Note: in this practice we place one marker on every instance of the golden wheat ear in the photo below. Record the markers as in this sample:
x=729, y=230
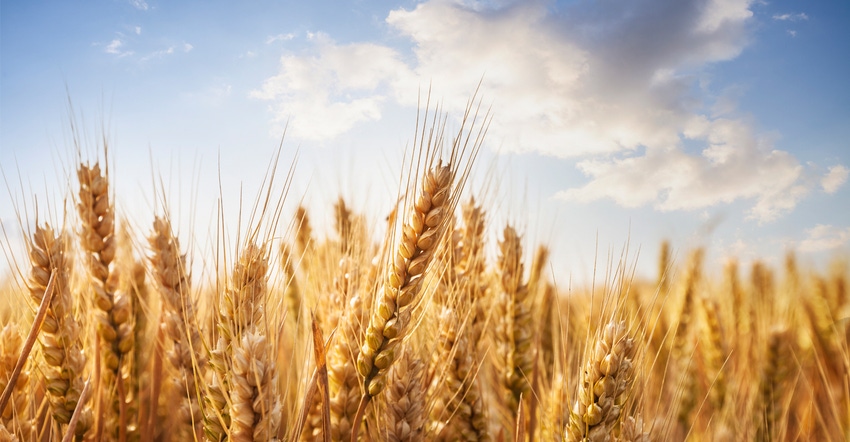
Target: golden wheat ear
x=115, y=321
x=405, y=395
x=388, y=322
x=178, y=318
x=514, y=329
x=63, y=359
x=605, y=379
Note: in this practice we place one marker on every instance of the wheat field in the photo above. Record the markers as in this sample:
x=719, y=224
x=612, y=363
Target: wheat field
x=416, y=334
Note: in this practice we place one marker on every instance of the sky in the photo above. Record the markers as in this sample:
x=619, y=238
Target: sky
x=615, y=124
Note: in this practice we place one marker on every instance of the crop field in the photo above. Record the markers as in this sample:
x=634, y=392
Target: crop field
x=439, y=325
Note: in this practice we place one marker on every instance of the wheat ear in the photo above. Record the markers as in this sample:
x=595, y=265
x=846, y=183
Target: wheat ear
x=178, y=320
x=345, y=390
x=242, y=400
x=61, y=343
x=774, y=374
x=605, y=380
x=514, y=334
x=420, y=236
x=459, y=412
x=254, y=410
x=15, y=413
x=405, y=394
x=115, y=322
x=304, y=232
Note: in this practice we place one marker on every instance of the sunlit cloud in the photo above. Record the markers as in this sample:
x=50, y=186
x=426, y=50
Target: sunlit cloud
x=615, y=86
x=824, y=237
x=320, y=101
x=835, y=177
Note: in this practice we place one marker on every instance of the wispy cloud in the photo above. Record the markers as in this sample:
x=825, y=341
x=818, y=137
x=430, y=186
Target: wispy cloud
x=141, y=5
x=279, y=37
x=615, y=85
x=115, y=48
x=791, y=17
x=824, y=237
x=137, y=30
x=835, y=177
x=185, y=47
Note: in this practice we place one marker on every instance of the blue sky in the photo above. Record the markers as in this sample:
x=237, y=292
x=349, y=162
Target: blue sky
x=722, y=123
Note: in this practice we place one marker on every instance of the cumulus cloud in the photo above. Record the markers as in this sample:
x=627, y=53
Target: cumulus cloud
x=735, y=163
x=326, y=94
x=824, y=237
x=835, y=177
x=614, y=85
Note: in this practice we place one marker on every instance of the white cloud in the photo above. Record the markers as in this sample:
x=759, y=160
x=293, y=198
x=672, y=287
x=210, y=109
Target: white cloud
x=835, y=177
x=114, y=48
x=185, y=47
x=800, y=16
x=791, y=32
x=327, y=94
x=615, y=85
x=141, y=5
x=279, y=37
x=824, y=237
x=137, y=30
x=736, y=164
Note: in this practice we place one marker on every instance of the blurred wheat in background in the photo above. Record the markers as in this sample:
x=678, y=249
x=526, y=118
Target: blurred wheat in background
x=421, y=334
